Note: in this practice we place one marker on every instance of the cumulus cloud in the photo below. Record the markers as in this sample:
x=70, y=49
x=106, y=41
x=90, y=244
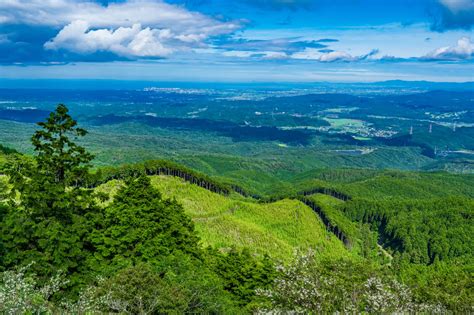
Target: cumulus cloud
x=275, y=55
x=457, y=6
x=463, y=50
x=336, y=56
x=453, y=14
x=133, y=28
x=132, y=41
x=153, y=13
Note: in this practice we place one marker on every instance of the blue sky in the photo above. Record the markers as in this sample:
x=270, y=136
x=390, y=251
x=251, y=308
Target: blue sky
x=238, y=41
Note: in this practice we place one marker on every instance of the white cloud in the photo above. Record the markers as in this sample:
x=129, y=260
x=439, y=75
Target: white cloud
x=307, y=54
x=315, y=54
x=153, y=13
x=457, y=6
x=238, y=53
x=464, y=49
x=133, y=41
x=454, y=14
x=140, y=28
x=275, y=55
x=336, y=56
x=269, y=55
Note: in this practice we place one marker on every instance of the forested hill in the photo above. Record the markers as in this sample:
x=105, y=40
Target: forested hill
x=6, y=151
x=158, y=237
x=405, y=207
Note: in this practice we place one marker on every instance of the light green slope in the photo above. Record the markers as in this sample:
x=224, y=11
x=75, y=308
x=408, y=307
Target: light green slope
x=277, y=229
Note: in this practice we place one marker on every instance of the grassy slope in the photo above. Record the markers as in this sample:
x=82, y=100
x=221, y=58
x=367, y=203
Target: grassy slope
x=276, y=229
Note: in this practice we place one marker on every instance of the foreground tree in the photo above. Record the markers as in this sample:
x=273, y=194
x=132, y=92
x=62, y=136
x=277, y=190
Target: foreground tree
x=242, y=274
x=49, y=186
x=178, y=285
x=141, y=226
x=49, y=213
x=59, y=158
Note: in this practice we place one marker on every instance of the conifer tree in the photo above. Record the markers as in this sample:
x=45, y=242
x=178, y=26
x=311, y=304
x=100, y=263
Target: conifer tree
x=50, y=214
x=49, y=185
x=142, y=226
x=59, y=159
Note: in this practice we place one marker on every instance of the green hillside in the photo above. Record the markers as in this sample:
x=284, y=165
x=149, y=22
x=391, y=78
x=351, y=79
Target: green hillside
x=164, y=236
x=277, y=228
x=412, y=185
x=380, y=184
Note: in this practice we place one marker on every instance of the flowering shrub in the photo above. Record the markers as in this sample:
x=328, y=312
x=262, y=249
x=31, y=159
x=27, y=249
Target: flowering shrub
x=309, y=285
x=20, y=294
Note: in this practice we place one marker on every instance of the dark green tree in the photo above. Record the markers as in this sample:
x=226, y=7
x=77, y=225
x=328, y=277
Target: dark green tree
x=141, y=226
x=242, y=273
x=178, y=285
x=49, y=213
x=59, y=158
x=49, y=185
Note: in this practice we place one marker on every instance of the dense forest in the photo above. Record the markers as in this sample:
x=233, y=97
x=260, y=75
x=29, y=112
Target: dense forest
x=69, y=246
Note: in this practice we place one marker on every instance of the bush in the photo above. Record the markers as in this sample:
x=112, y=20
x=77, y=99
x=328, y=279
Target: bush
x=178, y=284
x=309, y=285
x=20, y=293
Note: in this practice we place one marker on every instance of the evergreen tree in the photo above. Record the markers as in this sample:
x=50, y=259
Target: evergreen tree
x=59, y=158
x=49, y=213
x=140, y=226
x=49, y=186
x=242, y=273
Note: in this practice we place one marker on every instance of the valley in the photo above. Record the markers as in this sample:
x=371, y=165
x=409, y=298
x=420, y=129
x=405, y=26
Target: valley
x=306, y=173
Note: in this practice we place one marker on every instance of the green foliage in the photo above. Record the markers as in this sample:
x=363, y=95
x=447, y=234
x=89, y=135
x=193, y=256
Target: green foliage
x=6, y=150
x=140, y=241
x=51, y=243
x=276, y=229
x=20, y=293
x=48, y=186
x=4, y=190
x=446, y=282
x=140, y=226
x=147, y=254
x=423, y=231
x=358, y=236
x=48, y=219
x=336, y=175
x=312, y=285
x=242, y=274
x=178, y=285
x=157, y=167
x=411, y=185
x=59, y=159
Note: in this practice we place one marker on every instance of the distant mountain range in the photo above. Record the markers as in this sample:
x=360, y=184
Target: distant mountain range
x=132, y=84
